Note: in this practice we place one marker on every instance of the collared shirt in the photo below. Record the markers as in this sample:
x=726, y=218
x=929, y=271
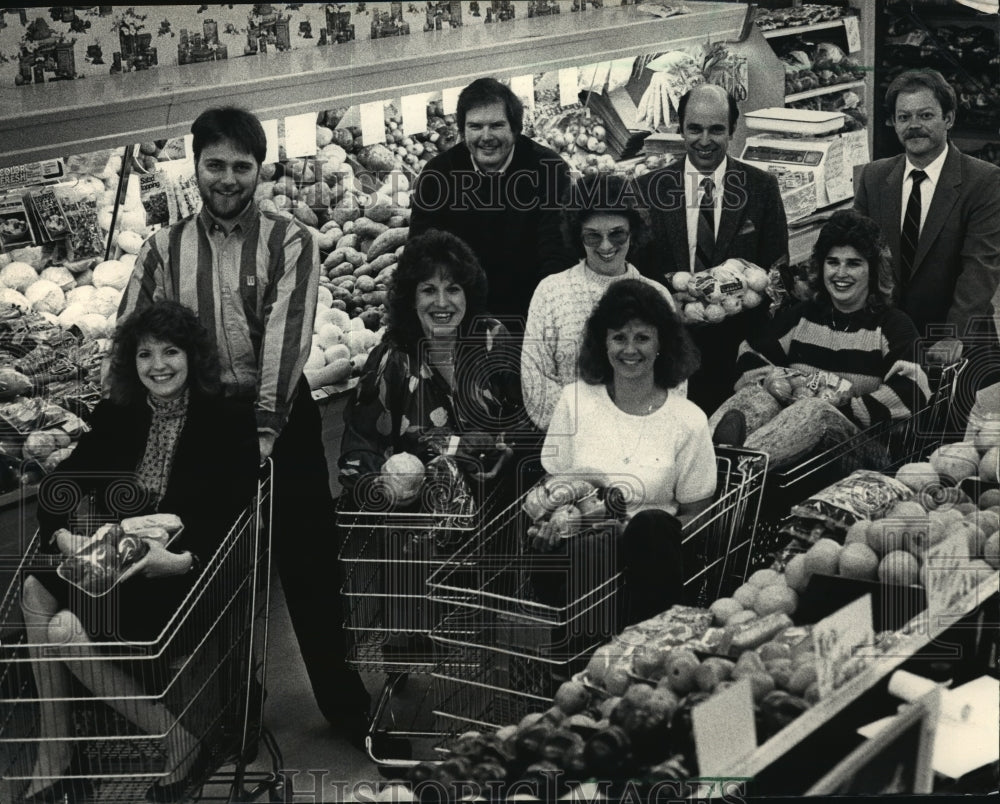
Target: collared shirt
x=693, y=192
x=503, y=167
x=253, y=282
x=927, y=186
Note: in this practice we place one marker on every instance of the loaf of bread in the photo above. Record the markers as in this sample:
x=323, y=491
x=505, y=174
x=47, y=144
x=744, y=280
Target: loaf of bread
x=171, y=523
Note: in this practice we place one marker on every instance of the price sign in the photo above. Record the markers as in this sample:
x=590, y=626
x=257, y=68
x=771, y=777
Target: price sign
x=449, y=99
x=569, y=88
x=837, y=643
x=524, y=87
x=271, y=133
x=596, y=76
x=853, y=34
x=372, y=122
x=413, y=109
x=300, y=135
x=724, y=728
x=951, y=577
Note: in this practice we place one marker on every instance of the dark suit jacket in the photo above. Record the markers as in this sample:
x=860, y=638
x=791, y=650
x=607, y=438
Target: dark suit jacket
x=212, y=477
x=511, y=221
x=753, y=224
x=957, y=265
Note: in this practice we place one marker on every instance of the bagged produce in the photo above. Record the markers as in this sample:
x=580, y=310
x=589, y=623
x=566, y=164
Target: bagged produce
x=800, y=429
x=99, y=565
x=788, y=384
x=445, y=488
x=861, y=495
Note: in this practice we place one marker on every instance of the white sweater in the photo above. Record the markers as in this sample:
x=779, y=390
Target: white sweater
x=553, y=333
x=662, y=459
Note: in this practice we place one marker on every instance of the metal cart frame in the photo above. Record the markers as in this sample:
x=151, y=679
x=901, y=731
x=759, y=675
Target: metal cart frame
x=504, y=652
x=882, y=447
x=207, y=668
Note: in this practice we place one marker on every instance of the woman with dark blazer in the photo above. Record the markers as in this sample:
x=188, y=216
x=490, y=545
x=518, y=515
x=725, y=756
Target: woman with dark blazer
x=164, y=442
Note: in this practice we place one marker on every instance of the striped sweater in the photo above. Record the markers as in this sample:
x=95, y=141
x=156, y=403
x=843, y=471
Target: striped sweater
x=253, y=282
x=861, y=347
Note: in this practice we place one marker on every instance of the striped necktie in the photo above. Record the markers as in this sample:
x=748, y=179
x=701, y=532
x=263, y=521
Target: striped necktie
x=911, y=228
x=705, y=245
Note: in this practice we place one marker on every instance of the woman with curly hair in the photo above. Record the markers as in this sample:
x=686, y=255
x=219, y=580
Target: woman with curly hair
x=622, y=424
x=850, y=328
x=166, y=437
x=603, y=222
x=444, y=368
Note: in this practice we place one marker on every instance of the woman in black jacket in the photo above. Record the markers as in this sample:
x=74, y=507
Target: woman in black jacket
x=164, y=442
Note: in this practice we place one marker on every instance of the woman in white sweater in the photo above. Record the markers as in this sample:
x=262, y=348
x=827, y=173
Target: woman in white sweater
x=603, y=221
x=623, y=424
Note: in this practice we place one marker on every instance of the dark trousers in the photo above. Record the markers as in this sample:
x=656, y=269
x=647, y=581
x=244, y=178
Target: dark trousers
x=652, y=562
x=712, y=384
x=306, y=547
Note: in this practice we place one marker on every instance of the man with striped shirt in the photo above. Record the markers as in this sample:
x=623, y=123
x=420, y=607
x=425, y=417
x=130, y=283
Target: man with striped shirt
x=253, y=279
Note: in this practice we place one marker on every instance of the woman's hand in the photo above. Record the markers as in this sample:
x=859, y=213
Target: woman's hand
x=69, y=543
x=159, y=562
x=913, y=372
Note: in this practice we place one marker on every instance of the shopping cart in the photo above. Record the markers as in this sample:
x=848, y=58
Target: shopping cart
x=883, y=447
x=505, y=651
x=386, y=557
x=206, y=668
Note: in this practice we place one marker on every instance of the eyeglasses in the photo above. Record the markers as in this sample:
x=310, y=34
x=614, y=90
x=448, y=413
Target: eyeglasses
x=616, y=237
x=904, y=118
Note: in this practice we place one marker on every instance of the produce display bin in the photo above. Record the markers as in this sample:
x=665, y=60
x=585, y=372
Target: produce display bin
x=505, y=651
x=883, y=447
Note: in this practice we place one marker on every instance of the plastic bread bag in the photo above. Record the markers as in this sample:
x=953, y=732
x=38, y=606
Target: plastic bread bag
x=863, y=494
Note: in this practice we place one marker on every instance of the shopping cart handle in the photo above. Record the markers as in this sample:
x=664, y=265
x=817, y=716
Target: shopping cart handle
x=505, y=455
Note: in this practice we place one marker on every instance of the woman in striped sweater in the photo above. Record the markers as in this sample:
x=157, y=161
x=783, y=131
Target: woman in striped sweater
x=850, y=328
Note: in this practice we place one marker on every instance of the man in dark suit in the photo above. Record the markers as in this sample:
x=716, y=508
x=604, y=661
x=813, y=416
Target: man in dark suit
x=940, y=212
x=951, y=272
x=748, y=217
x=500, y=192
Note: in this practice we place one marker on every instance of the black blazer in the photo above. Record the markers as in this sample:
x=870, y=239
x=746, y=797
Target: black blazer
x=212, y=479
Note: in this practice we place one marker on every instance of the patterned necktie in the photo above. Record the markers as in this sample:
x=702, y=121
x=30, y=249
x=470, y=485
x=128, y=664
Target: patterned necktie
x=705, y=244
x=911, y=228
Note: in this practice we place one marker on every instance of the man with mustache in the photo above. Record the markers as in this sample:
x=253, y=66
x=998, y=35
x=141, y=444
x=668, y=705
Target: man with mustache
x=939, y=210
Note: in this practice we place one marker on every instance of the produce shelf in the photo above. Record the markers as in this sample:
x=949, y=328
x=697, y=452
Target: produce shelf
x=923, y=633
x=775, y=33
x=45, y=121
x=813, y=93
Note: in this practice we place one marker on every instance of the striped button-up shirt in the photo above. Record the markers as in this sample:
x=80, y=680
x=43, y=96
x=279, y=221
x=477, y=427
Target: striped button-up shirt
x=253, y=282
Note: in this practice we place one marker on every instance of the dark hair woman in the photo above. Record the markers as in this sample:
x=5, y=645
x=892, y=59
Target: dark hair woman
x=442, y=369
x=177, y=449
x=850, y=329
x=623, y=424
x=603, y=221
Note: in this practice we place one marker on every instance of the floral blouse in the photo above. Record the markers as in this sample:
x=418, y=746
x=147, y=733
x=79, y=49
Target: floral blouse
x=402, y=404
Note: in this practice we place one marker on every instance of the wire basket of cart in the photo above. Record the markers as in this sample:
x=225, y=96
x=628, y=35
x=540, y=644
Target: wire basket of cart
x=387, y=554
x=206, y=667
x=521, y=622
x=883, y=447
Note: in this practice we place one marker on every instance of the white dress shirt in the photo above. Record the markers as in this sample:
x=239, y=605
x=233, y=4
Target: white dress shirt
x=927, y=186
x=692, y=201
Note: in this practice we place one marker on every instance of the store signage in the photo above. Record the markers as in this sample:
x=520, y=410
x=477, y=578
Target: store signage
x=724, y=729
x=300, y=135
x=569, y=86
x=413, y=110
x=449, y=99
x=597, y=76
x=524, y=87
x=32, y=173
x=372, y=122
x=853, y=31
x=951, y=578
x=273, y=141
x=838, y=643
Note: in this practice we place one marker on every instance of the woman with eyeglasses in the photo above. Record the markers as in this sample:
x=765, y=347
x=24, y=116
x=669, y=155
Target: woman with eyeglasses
x=602, y=219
